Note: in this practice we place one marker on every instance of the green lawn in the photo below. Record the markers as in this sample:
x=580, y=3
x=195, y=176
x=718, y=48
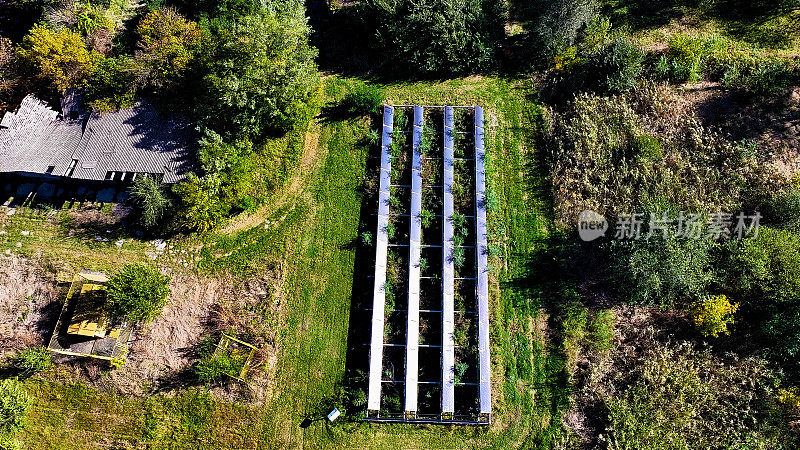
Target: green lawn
x=312, y=234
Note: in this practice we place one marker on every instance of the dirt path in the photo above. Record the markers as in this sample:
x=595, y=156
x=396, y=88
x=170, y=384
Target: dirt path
x=297, y=186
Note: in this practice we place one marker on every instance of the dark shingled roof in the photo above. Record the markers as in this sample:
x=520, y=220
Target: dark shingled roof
x=37, y=140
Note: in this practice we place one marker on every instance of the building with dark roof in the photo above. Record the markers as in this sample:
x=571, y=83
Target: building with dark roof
x=114, y=147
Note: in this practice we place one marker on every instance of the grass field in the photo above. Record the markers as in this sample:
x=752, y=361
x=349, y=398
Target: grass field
x=311, y=233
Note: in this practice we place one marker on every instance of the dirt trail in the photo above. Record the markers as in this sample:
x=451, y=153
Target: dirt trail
x=296, y=187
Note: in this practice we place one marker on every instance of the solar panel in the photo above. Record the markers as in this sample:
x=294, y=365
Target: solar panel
x=482, y=291
x=415, y=250
x=448, y=271
x=381, y=251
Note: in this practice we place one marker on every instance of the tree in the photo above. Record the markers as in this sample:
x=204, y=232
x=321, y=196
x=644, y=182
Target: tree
x=138, y=292
x=167, y=44
x=14, y=404
x=151, y=202
x=260, y=76
x=436, y=37
x=59, y=57
x=555, y=25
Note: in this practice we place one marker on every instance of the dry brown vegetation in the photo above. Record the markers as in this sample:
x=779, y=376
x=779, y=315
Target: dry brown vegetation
x=27, y=296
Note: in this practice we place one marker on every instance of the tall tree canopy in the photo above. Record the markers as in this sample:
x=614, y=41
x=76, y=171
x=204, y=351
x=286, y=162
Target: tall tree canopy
x=436, y=37
x=259, y=77
x=59, y=57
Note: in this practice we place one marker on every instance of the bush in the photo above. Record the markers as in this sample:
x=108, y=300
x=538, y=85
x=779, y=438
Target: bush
x=34, y=360
x=766, y=270
x=150, y=201
x=713, y=314
x=662, y=271
x=138, y=292
x=216, y=370
x=435, y=37
x=556, y=24
x=677, y=397
x=14, y=404
x=363, y=99
x=783, y=210
x=614, y=68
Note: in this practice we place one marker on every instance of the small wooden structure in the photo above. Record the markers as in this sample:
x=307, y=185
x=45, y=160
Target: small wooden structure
x=235, y=347
x=85, y=327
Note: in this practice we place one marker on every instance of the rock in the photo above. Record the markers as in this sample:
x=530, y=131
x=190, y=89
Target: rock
x=25, y=233
x=119, y=243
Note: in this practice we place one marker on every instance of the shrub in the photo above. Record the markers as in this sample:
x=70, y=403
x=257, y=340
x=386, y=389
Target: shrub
x=59, y=57
x=367, y=238
x=201, y=208
x=557, y=23
x=14, y=404
x=34, y=360
x=783, y=210
x=426, y=217
x=138, y=292
x=662, y=271
x=150, y=200
x=390, y=230
x=766, y=270
x=615, y=67
x=216, y=370
x=677, y=397
x=713, y=314
x=435, y=37
x=363, y=99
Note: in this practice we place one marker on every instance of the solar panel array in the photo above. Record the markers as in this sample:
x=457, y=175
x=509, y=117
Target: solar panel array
x=448, y=274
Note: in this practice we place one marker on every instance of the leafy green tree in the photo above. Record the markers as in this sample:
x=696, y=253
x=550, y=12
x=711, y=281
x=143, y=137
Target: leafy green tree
x=260, y=76
x=556, y=24
x=59, y=57
x=138, y=292
x=201, y=208
x=435, y=37
x=167, y=44
x=34, y=360
x=14, y=404
x=150, y=200
x=113, y=84
x=766, y=269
